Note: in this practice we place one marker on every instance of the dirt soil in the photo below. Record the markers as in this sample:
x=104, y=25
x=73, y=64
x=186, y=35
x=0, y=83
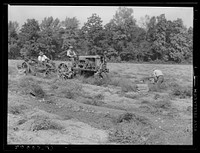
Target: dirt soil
x=73, y=112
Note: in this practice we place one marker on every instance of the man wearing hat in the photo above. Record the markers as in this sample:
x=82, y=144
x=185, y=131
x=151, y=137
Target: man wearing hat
x=42, y=57
x=71, y=54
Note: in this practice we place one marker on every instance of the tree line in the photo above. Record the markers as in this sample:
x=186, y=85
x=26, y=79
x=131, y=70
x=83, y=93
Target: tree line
x=155, y=39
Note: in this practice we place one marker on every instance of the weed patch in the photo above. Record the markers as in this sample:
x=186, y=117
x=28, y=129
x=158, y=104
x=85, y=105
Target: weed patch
x=125, y=84
x=16, y=110
x=131, y=117
x=22, y=121
x=42, y=122
x=129, y=133
x=181, y=92
x=99, y=97
x=131, y=96
x=29, y=86
x=45, y=124
x=163, y=104
x=70, y=90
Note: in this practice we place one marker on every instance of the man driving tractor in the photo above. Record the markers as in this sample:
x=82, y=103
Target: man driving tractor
x=42, y=58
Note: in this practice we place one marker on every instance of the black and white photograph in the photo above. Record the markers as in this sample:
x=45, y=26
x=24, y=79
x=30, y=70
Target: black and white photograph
x=100, y=75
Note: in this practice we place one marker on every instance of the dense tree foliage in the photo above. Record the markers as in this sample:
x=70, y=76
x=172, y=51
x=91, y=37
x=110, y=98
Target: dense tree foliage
x=151, y=39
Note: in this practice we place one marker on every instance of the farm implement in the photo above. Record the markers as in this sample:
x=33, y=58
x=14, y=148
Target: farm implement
x=32, y=66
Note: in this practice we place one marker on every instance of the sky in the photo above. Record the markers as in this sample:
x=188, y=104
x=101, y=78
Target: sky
x=106, y=13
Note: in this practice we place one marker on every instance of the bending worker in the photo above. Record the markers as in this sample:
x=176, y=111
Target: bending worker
x=158, y=77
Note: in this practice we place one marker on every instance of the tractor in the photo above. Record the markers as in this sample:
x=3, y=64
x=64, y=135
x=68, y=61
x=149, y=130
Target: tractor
x=90, y=65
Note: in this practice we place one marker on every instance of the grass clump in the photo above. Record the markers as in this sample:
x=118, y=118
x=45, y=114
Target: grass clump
x=129, y=131
x=181, y=92
x=45, y=124
x=131, y=117
x=16, y=110
x=163, y=104
x=131, y=96
x=29, y=85
x=134, y=129
x=70, y=94
x=125, y=84
x=99, y=96
x=70, y=90
x=125, y=134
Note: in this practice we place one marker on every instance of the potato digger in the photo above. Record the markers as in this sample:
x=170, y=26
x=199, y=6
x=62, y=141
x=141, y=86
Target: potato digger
x=34, y=67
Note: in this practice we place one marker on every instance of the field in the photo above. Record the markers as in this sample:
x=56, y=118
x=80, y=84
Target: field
x=108, y=111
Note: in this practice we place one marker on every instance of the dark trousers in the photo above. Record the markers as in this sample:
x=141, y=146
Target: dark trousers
x=159, y=80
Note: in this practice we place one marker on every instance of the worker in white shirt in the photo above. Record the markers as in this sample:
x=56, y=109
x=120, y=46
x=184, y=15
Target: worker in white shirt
x=158, y=77
x=71, y=54
x=42, y=57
